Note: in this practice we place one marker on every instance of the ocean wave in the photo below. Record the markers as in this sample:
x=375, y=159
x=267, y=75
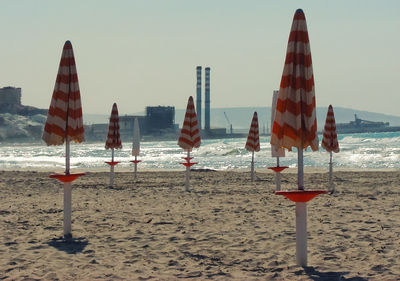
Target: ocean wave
x=356, y=151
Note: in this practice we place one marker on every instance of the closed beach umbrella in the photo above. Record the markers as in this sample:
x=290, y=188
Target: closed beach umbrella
x=136, y=138
x=64, y=122
x=113, y=137
x=295, y=123
x=329, y=141
x=64, y=119
x=276, y=151
x=113, y=140
x=253, y=141
x=190, y=134
x=189, y=137
x=136, y=144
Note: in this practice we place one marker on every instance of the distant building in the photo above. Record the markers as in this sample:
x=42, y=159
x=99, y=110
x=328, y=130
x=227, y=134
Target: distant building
x=10, y=102
x=126, y=123
x=159, y=119
x=10, y=96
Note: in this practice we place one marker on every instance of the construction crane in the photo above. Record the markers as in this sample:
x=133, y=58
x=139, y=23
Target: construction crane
x=229, y=123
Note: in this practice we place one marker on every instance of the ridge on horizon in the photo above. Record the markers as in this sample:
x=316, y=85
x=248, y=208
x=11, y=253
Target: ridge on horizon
x=240, y=117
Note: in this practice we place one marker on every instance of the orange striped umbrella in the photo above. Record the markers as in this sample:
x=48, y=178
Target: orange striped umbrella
x=190, y=134
x=253, y=139
x=253, y=142
x=64, y=119
x=295, y=122
x=189, y=137
x=113, y=136
x=113, y=140
x=64, y=123
x=329, y=141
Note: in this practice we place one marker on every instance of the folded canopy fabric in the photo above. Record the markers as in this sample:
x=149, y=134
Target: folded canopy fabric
x=329, y=141
x=136, y=138
x=190, y=134
x=253, y=139
x=295, y=122
x=113, y=137
x=276, y=151
x=64, y=118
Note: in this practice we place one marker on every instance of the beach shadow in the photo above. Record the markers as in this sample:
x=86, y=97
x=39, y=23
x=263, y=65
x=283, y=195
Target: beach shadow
x=69, y=245
x=202, y=170
x=327, y=276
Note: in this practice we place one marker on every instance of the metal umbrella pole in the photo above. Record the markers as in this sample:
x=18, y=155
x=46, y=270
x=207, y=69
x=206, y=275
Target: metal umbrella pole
x=67, y=194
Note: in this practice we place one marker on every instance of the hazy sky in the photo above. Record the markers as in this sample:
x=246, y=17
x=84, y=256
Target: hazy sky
x=139, y=53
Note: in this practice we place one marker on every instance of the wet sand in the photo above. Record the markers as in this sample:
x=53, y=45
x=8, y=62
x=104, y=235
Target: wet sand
x=226, y=228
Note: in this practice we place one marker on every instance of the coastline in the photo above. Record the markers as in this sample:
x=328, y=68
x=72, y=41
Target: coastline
x=290, y=170
x=227, y=228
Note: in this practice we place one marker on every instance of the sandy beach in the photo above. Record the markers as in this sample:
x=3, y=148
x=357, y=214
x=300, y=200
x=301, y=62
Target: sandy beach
x=226, y=228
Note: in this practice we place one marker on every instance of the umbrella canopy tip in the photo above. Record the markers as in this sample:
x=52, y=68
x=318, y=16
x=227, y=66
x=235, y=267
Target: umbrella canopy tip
x=299, y=15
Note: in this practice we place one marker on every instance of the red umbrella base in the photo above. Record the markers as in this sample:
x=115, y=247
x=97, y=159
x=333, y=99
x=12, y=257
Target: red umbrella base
x=188, y=164
x=135, y=161
x=112, y=163
x=278, y=169
x=66, y=178
x=300, y=195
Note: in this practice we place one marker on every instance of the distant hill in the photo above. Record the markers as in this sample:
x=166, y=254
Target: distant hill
x=28, y=123
x=240, y=117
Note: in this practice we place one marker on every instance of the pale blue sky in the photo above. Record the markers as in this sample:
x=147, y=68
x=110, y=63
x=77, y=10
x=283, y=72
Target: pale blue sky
x=139, y=53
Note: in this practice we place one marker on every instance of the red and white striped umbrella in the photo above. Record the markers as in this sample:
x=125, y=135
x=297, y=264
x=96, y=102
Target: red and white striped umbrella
x=253, y=139
x=190, y=134
x=330, y=141
x=295, y=122
x=113, y=136
x=64, y=119
x=64, y=123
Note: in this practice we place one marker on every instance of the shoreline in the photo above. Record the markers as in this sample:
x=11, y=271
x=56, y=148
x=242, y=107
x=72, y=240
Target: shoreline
x=289, y=170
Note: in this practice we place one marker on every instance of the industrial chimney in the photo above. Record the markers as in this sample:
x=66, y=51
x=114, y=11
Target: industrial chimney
x=207, y=101
x=198, y=96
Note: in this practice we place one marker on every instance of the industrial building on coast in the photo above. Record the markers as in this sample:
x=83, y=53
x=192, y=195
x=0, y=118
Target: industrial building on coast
x=159, y=121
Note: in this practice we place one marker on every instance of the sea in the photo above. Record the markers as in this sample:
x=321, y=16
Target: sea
x=357, y=151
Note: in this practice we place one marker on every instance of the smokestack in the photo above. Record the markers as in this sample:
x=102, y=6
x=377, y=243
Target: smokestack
x=198, y=96
x=207, y=101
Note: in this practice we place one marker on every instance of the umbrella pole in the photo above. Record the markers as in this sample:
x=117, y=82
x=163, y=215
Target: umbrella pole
x=135, y=166
x=187, y=172
x=300, y=169
x=112, y=168
x=301, y=216
x=278, y=176
x=67, y=196
x=331, y=187
x=301, y=233
x=252, y=166
x=67, y=162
